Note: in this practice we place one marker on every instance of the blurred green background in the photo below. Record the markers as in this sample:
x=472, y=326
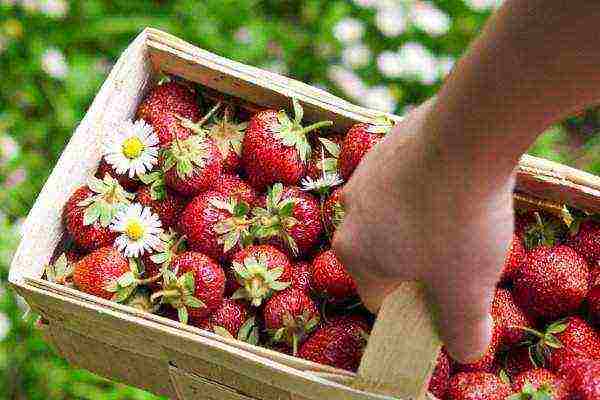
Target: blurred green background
x=55, y=54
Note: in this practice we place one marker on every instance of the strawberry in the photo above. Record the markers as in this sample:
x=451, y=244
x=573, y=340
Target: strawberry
x=585, y=239
x=333, y=211
x=164, y=203
x=540, y=229
x=289, y=316
x=155, y=263
x=216, y=225
x=593, y=302
x=584, y=378
x=330, y=279
x=195, y=289
x=438, y=383
x=514, y=258
x=535, y=383
x=552, y=281
x=290, y=220
x=275, y=148
x=164, y=107
x=61, y=270
x=233, y=186
x=339, y=343
x=97, y=272
x=233, y=320
x=302, y=277
x=228, y=136
x=477, y=386
x=358, y=141
x=260, y=271
x=324, y=156
x=508, y=318
x=517, y=360
x=129, y=184
x=90, y=210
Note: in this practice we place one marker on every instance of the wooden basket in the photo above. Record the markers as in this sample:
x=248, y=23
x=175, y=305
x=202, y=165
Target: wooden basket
x=184, y=362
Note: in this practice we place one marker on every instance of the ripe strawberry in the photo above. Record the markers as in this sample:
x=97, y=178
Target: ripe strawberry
x=291, y=220
x=302, y=277
x=552, y=281
x=275, y=148
x=233, y=186
x=228, y=136
x=477, y=386
x=260, y=271
x=155, y=263
x=576, y=338
x=358, y=141
x=195, y=289
x=509, y=318
x=129, y=184
x=438, y=383
x=96, y=272
x=593, y=302
x=324, y=156
x=333, y=211
x=290, y=315
x=232, y=319
x=330, y=279
x=514, y=258
x=537, y=382
x=166, y=204
x=584, y=378
x=216, y=225
x=90, y=210
x=585, y=239
x=517, y=360
x=339, y=343
x=164, y=107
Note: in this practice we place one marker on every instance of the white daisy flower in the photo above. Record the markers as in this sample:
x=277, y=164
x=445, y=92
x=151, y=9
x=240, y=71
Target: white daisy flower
x=430, y=18
x=133, y=149
x=356, y=56
x=54, y=63
x=391, y=21
x=323, y=184
x=349, y=30
x=140, y=230
x=379, y=98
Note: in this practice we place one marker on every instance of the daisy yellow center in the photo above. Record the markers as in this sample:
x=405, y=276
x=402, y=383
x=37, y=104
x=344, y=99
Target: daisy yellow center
x=134, y=230
x=132, y=147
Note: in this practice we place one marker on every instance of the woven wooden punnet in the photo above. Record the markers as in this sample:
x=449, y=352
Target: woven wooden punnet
x=183, y=362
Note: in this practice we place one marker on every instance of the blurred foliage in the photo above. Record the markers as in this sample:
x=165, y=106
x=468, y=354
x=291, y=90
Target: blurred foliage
x=54, y=55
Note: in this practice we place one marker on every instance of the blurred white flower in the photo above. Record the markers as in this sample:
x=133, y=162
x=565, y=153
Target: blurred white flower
x=9, y=149
x=391, y=21
x=430, y=18
x=389, y=64
x=379, y=98
x=445, y=65
x=365, y=3
x=30, y=5
x=54, y=63
x=418, y=63
x=348, y=30
x=277, y=66
x=4, y=326
x=347, y=81
x=54, y=8
x=356, y=56
x=242, y=35
x=482, y=5
x=15, y=178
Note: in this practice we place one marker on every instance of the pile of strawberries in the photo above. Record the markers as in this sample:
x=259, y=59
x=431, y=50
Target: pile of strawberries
x=223, y=219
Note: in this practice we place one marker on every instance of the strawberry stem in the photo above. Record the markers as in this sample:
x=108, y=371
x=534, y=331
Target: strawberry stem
x=152, y=279
x=209, y=114
x=164, y=293
x=314, y=126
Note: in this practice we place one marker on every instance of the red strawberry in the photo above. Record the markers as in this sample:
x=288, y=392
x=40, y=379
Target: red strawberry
x=330, y=278
x=552, y=281
x=333, y=211
x=576, y=338
x=290, y=220
x=228, y=136
x=538, y=382
x=164, y=107
x=517, y=360
x=275, y=148
x=514, y=258
x=302, y=277
x=508, y=318
x=324, y=156
x=585, y=239
x=216, y=225
x=232, y=319
x=260, y=271
x=477, y=386
x=195, y=289
x=584, y=378
x=233, y=186
x=358, y=141
x=339, y=343
x=438, y=383
x=593, y=301
x=166, y=204
x=90, y=210
x=96, y=272
x=130, y=184
x=289, y=316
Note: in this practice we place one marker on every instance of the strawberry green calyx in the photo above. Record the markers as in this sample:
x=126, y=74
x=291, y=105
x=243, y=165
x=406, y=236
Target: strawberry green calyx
x=257, y=281
x=198, y=127
x=329, y=164
x=140, y=299
x=171, y=242
x=125, y=286
x=61, y=271
x=545, y=232
x=382, y=126
x=108, y=199
x=541, y=343
x=186, y=154
x=292, y=133
x=156, y=181
x=248, y=332
x=295, y=330
x=234, y=230
x=227, y=135
x=277, y=218
x=529, y=392
x=178, y=292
